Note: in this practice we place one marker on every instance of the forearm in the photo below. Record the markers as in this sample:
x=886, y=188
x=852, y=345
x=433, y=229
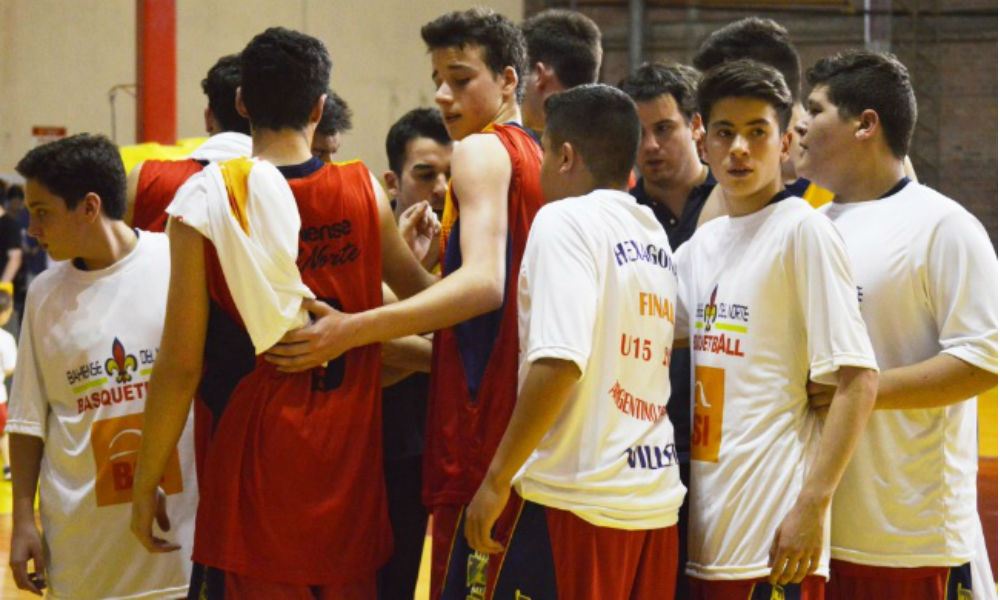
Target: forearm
x=415, y=281
x=852, y=403
x=546, y=390
x=166, y=413
x=25, y=464
x=14, y=259
x=410, y=353
x=464, y=294
x=938, y=381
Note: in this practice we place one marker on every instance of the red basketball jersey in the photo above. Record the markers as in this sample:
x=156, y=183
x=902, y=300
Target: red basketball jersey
x=474, y=364
x=292, y=489
x=159, y=180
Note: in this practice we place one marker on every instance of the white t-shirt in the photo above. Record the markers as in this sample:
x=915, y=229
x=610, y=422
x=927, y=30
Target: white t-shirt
x=8, y=360
x=597, y=287
x=928, y=280
x=88, y=341
x=768, y=302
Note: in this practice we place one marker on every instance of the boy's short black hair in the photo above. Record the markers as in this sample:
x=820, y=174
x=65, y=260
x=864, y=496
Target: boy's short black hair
x=601, y=122
x=566, y=40
x=220, y=86
x=284, y=73
x=501, y=40
x=419, y=122
x=763, y=40
x=858, y=80
x=745, y=79
x=77, y=165
x=336, y=115
x=15, y=192
x=652, y=80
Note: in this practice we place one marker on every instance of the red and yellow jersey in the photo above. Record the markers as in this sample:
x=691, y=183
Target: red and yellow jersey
x=292, y=463
x=159, y=180
x=474, y=365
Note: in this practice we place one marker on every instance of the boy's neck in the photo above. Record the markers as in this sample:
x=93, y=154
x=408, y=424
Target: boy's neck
x=114, y=241
x=870, y=180
x=283, y=147
x=508, y=113
x=740, y=206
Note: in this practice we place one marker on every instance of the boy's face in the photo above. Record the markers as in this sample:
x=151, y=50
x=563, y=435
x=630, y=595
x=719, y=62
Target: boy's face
x=325, y=146
x=744, y=147
x=826, y=147
x=469, y=94
x=426, y=168
x=668, y=140
x=57, y=228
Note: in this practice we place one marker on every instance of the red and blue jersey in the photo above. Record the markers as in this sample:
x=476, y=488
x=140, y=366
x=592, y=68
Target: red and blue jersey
x=292, y=486
x=474, y=364
x=159, y=180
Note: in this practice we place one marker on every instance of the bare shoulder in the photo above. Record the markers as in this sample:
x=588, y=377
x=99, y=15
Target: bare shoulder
x=480, y=162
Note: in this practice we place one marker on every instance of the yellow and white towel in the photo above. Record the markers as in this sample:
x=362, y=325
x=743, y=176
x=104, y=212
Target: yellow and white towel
x=246, y=209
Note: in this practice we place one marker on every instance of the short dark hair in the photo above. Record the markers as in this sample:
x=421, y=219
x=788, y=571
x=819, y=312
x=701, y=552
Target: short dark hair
x=566, y=40
x=745, y=79
x=858, y=80
x=763, y=40
x=6, y=301
x=15, y=191
x=652, y=80
x=602, y=124
x=336, y=115
x=501, y=40
x=284, y=73
x=74, y=166
x=419, y=122
x=220, y=86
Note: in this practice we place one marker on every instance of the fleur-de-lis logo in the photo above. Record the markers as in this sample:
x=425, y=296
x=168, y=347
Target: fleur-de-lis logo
x=120, y=363
x=711, y=310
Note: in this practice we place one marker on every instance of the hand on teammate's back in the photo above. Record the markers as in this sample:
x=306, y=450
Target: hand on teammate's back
x=820, y=397
x=314, y=345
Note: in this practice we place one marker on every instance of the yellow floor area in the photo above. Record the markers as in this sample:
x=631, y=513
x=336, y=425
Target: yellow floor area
x=8, y=591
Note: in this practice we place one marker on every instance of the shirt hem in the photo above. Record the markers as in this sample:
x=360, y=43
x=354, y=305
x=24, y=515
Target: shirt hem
x=558, y=352
x=168, y=593
x=903, y=561
x=827, y=368
x=25, y=428
x=739, y=573
x=976, y=359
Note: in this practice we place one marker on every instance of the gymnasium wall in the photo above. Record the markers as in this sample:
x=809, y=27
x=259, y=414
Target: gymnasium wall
x=60, y=61
x=949, y=46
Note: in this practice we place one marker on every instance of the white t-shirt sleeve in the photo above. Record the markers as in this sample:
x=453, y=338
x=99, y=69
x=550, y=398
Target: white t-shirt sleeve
x=828, y=298
x=961, y=279
x=28, y=408
x=560, y=277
